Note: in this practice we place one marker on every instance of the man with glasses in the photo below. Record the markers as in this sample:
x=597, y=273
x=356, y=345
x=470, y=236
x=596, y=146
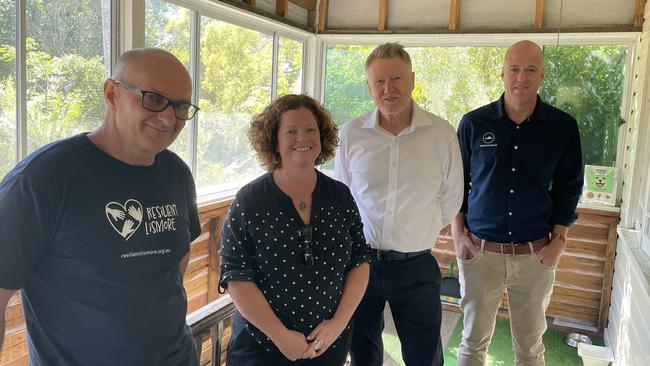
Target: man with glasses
x=96, y=228
x=403, y=167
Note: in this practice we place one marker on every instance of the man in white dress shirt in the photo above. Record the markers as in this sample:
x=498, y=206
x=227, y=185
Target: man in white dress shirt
x=405, y=172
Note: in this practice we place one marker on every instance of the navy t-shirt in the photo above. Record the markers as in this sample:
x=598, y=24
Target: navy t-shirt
x=95, y=246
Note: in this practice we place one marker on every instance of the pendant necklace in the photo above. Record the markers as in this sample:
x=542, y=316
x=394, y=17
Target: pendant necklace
x=302, y=205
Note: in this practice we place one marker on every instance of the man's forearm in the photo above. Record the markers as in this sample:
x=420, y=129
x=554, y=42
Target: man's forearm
x=458, y=225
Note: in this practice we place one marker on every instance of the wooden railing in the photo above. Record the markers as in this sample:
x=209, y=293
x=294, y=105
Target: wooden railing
x=210, y=323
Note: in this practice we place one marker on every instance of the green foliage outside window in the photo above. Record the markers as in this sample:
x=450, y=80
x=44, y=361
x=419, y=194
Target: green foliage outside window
x=65, y=70
x=585, y=81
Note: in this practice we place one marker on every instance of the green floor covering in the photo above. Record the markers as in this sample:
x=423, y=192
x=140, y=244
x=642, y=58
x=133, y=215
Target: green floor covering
x=500, y=352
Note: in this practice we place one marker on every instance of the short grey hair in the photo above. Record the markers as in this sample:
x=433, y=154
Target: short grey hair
x=389, y=50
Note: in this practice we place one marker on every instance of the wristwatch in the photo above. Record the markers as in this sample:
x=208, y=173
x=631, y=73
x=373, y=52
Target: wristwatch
x=558, y=235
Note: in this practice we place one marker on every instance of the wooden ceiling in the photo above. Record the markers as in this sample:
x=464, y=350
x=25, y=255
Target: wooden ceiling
x=464, y=16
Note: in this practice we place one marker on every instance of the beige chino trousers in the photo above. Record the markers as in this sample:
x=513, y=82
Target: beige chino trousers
x=529, y=284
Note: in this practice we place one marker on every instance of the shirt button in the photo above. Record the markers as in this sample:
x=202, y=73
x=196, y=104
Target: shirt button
x=510, y=213
x=509, y=232
x=513, y=169
x=512, y=191
x=517, y=127
x=516, y=147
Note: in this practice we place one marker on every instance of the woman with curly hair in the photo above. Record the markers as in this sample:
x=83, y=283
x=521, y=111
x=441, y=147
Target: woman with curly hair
x=293, y=255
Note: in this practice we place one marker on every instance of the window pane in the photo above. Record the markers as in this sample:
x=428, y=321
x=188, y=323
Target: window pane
x=587, y=83
x=235, y=79
x=346, y=94
x=451, y=81
x=167, y=26
x=65, y=68
x=289, y=67
x=7, y=86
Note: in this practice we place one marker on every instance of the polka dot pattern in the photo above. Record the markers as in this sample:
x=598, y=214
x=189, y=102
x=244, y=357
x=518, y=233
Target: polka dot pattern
x=261, y=243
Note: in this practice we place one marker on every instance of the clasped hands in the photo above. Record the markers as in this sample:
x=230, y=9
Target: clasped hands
x=294, y=345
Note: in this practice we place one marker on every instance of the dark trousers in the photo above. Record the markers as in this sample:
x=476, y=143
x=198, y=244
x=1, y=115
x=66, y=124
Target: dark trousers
x=412, y=289
x=244, y=350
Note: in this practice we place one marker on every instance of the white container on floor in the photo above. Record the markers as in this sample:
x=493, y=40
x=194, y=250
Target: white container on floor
x=595, y=355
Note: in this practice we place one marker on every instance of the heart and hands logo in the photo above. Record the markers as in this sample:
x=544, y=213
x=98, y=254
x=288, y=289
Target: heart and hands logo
x=125, y=219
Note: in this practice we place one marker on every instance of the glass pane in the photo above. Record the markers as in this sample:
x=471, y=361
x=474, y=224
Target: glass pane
x=451, y=81
x=587, y=82
x=7, y=86
x=235, y=84
x=167, y=26
x=65, y=68
x=346, y=93
x=289, y=67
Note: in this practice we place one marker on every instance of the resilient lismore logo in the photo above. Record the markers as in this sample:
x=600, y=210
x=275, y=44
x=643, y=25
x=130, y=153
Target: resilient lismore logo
x=125, y=219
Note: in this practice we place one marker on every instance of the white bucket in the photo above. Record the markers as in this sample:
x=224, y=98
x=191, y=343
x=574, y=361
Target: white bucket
x=595, y=355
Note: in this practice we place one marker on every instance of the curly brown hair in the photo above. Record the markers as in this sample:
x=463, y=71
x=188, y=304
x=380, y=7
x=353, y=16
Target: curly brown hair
x=263, y=130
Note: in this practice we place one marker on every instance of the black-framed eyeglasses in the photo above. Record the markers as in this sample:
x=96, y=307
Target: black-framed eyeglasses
x=155, y=102
x=306, y=253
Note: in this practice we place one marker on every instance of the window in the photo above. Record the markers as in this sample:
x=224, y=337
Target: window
x=235, y=84
x=290, y=66
x=65, y=69
x=8, y=134
x=242, y=64
x=586, y=81
x=67, y=51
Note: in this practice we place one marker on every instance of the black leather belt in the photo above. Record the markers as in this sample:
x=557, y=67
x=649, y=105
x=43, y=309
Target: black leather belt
x=391, y=255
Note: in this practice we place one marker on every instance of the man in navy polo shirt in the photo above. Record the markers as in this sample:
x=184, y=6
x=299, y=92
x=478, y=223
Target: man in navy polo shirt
x=523, y=178
x=95, y=229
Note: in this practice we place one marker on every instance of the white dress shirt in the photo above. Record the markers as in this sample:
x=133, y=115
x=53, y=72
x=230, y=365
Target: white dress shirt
x=407, y=187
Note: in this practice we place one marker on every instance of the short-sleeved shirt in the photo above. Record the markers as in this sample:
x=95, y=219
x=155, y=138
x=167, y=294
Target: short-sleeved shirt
x=95, y=245
x=261, y=243
x=520, y=179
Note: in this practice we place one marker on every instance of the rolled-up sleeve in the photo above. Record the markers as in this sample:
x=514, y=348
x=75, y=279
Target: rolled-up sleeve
x=236, y=246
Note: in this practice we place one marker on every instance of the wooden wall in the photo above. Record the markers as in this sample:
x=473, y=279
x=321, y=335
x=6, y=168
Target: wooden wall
x=581, y=295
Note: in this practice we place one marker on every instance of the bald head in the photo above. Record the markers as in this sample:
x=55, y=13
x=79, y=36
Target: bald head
x=143, y=57
x=522, y=74
x=528, y=48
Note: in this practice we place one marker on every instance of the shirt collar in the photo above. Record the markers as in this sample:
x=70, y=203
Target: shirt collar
x=538, y=112
x=418, y=119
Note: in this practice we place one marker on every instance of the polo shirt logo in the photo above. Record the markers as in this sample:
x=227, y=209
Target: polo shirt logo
x=488, y=140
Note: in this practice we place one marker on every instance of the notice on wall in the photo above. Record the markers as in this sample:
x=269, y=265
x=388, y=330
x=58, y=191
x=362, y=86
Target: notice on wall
x=600, y=185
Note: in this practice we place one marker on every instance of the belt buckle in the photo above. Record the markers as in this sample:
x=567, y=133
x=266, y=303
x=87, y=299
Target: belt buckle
x=378, y=254
x=508, y=245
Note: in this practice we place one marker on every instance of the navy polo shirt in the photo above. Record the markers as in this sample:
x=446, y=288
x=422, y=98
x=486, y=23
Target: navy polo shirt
x=520, y=180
